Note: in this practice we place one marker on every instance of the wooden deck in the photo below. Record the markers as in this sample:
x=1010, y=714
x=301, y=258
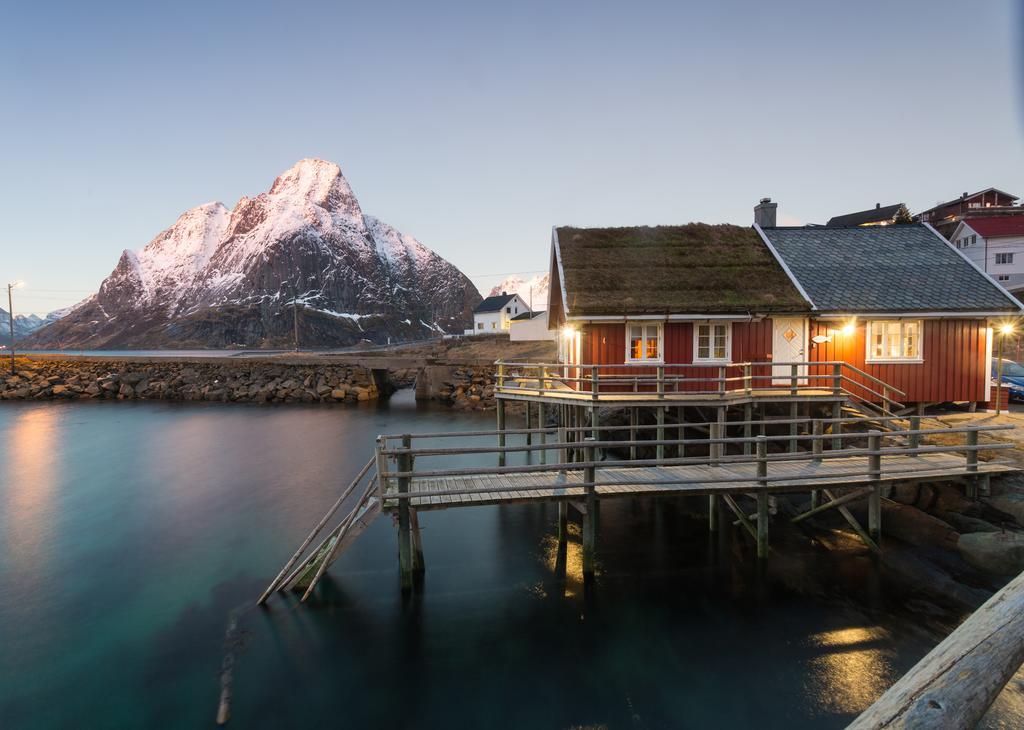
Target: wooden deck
x=690, y=479
x=559, y=393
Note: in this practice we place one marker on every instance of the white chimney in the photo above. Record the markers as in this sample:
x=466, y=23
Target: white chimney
x=764, y=213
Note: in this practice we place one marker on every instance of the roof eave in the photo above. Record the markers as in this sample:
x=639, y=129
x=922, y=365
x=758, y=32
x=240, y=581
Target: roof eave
x=785, y=266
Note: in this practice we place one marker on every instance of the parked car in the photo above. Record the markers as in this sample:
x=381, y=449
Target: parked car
x=1013, y=378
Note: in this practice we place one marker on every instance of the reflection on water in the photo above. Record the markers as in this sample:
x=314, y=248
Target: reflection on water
x=32, y=464
x=854, y=668
x=130, y=531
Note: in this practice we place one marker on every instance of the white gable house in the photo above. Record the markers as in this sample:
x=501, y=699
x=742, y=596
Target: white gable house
x=996, y=245
x=495, y=314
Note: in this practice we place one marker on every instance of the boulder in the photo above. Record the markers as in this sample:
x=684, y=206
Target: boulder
x=59, y=389
x=1011, y=503
x=339, y=393
x=999, y=553
x=916, y=527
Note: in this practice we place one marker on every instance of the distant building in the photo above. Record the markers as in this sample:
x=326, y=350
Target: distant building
x=530, y=326
x=877, y=216
x=990, y=201
x=494, y=314
x=996, y=245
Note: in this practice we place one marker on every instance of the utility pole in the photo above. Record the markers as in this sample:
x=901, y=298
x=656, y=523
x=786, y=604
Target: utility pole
x=10, y=317
x=295, y=317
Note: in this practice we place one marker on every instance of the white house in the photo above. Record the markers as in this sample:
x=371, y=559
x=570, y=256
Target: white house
x=494, y=314
x=530, y=327
x=996, y=245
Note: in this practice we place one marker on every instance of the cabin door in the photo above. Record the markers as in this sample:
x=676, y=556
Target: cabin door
x=789, y=345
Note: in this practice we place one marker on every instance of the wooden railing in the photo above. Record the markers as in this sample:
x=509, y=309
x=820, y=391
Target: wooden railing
x=398, y=460
x=663, y=381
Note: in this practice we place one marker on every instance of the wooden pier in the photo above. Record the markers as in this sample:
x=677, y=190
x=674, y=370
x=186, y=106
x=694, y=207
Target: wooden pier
x=578, y=466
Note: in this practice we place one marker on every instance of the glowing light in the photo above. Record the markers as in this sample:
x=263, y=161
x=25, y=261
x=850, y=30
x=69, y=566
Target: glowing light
x=568, y=332
x=849, y=328
x=1006, y=329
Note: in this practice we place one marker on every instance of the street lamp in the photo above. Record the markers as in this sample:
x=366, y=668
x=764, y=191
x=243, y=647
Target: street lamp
x=1005, y=329
x=10, y=316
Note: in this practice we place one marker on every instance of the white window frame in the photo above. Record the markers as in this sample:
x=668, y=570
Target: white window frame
x=660, y=359
x=712, y=358
x=1004, y=258
x=869, y=336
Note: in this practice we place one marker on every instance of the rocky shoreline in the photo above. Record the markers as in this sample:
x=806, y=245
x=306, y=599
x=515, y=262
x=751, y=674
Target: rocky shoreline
x=243, y=381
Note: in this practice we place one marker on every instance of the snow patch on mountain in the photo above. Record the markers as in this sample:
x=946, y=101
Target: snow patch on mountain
x=536, y=287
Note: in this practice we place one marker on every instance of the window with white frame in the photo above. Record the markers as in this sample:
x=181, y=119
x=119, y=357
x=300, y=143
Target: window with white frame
x=894, y=340
x=1004, y=258
x=643, y=343
x=712, y=342
x=1003, y=277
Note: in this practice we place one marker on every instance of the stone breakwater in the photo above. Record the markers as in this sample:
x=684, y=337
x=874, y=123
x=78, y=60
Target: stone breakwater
x=468, y=388
x=243, y=381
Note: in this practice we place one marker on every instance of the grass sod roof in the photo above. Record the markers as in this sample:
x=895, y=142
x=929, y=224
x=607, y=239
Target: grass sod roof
x=695, y=268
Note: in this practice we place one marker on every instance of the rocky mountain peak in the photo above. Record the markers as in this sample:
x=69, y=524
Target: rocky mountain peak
x=319, y=182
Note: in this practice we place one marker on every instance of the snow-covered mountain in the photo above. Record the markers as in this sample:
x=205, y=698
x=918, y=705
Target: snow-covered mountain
x=24, y=325
x=221, y=277
x=536, y=286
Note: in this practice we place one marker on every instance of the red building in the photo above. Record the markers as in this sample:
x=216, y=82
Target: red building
x=889, y=315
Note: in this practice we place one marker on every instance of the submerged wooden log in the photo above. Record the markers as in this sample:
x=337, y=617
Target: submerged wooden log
x=953, y=686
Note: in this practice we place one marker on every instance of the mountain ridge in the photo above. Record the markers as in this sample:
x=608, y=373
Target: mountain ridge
x=220, y=277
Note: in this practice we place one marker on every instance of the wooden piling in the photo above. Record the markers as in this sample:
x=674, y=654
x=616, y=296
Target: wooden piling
x=405, y=564
x=837, y=426
x=794, y=427
x=563, y=521
x=542, y=423
x=713, y=508
x=762, y=498
x=529, y=423
x=681, y=419
x=633, y=418
x=589, y=523
x=748, y=427
x=500, y=412
x=660, y=416
x=418, y=564
x=875, y=497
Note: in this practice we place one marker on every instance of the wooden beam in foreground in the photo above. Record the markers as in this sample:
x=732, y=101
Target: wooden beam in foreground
x=953, y=686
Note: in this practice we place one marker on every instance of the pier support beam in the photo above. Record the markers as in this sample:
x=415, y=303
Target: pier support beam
x=875, y=498
x=405, y=547
x=748, y=427
x=563, y=522
x=500, y=413
x=713, y=508
x=529, y=423
x=542, y=422
x=762, y=498
x=418, y=564
x=590, y=516
x=660, y=416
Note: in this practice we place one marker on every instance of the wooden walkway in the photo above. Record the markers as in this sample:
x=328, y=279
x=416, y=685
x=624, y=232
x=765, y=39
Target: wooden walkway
x=689, y=479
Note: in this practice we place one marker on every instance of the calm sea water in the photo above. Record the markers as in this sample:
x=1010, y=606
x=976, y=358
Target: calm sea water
x=129, y=533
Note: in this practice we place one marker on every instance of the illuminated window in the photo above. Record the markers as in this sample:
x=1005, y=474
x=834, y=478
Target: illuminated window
x=894, y=340
x=479, y=325
x=712, y=342
x=643, y=343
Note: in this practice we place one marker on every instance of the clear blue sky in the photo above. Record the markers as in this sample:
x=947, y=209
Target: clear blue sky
x=477, y=126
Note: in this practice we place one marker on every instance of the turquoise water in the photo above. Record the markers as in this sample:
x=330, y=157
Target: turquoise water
x=129, y=532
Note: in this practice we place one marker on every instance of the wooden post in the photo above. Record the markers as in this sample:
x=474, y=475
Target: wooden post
x=762, y=498
x=382, y=466
x=659, y=413
x=875, y=497
x=418, y=565
x=748, y=428
x=500, y=412
x=794, y=379
x=563, y=520
x=713, y=508
x=542, y=423
x=794, y=427
x=722, y=430
x=748, y=380
x=816, y=444
x=405, y=565
x=529, y=424
x=595, y=386
x=837, y=426
x=633, y=417
x=972, y=465
x=914, y=439
x=837, y=379
x=661, y=381
x=715, y=433
x=563, y=438
x=681, y=418
x=589, y=527
x=500, y=379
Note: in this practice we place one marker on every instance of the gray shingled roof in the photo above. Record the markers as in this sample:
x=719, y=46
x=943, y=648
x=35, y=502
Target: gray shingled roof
x=493, y=304
x=904, y=268
x=871, y=215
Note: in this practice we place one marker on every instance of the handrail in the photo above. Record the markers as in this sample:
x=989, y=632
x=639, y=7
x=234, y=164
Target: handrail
x=872, y=378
